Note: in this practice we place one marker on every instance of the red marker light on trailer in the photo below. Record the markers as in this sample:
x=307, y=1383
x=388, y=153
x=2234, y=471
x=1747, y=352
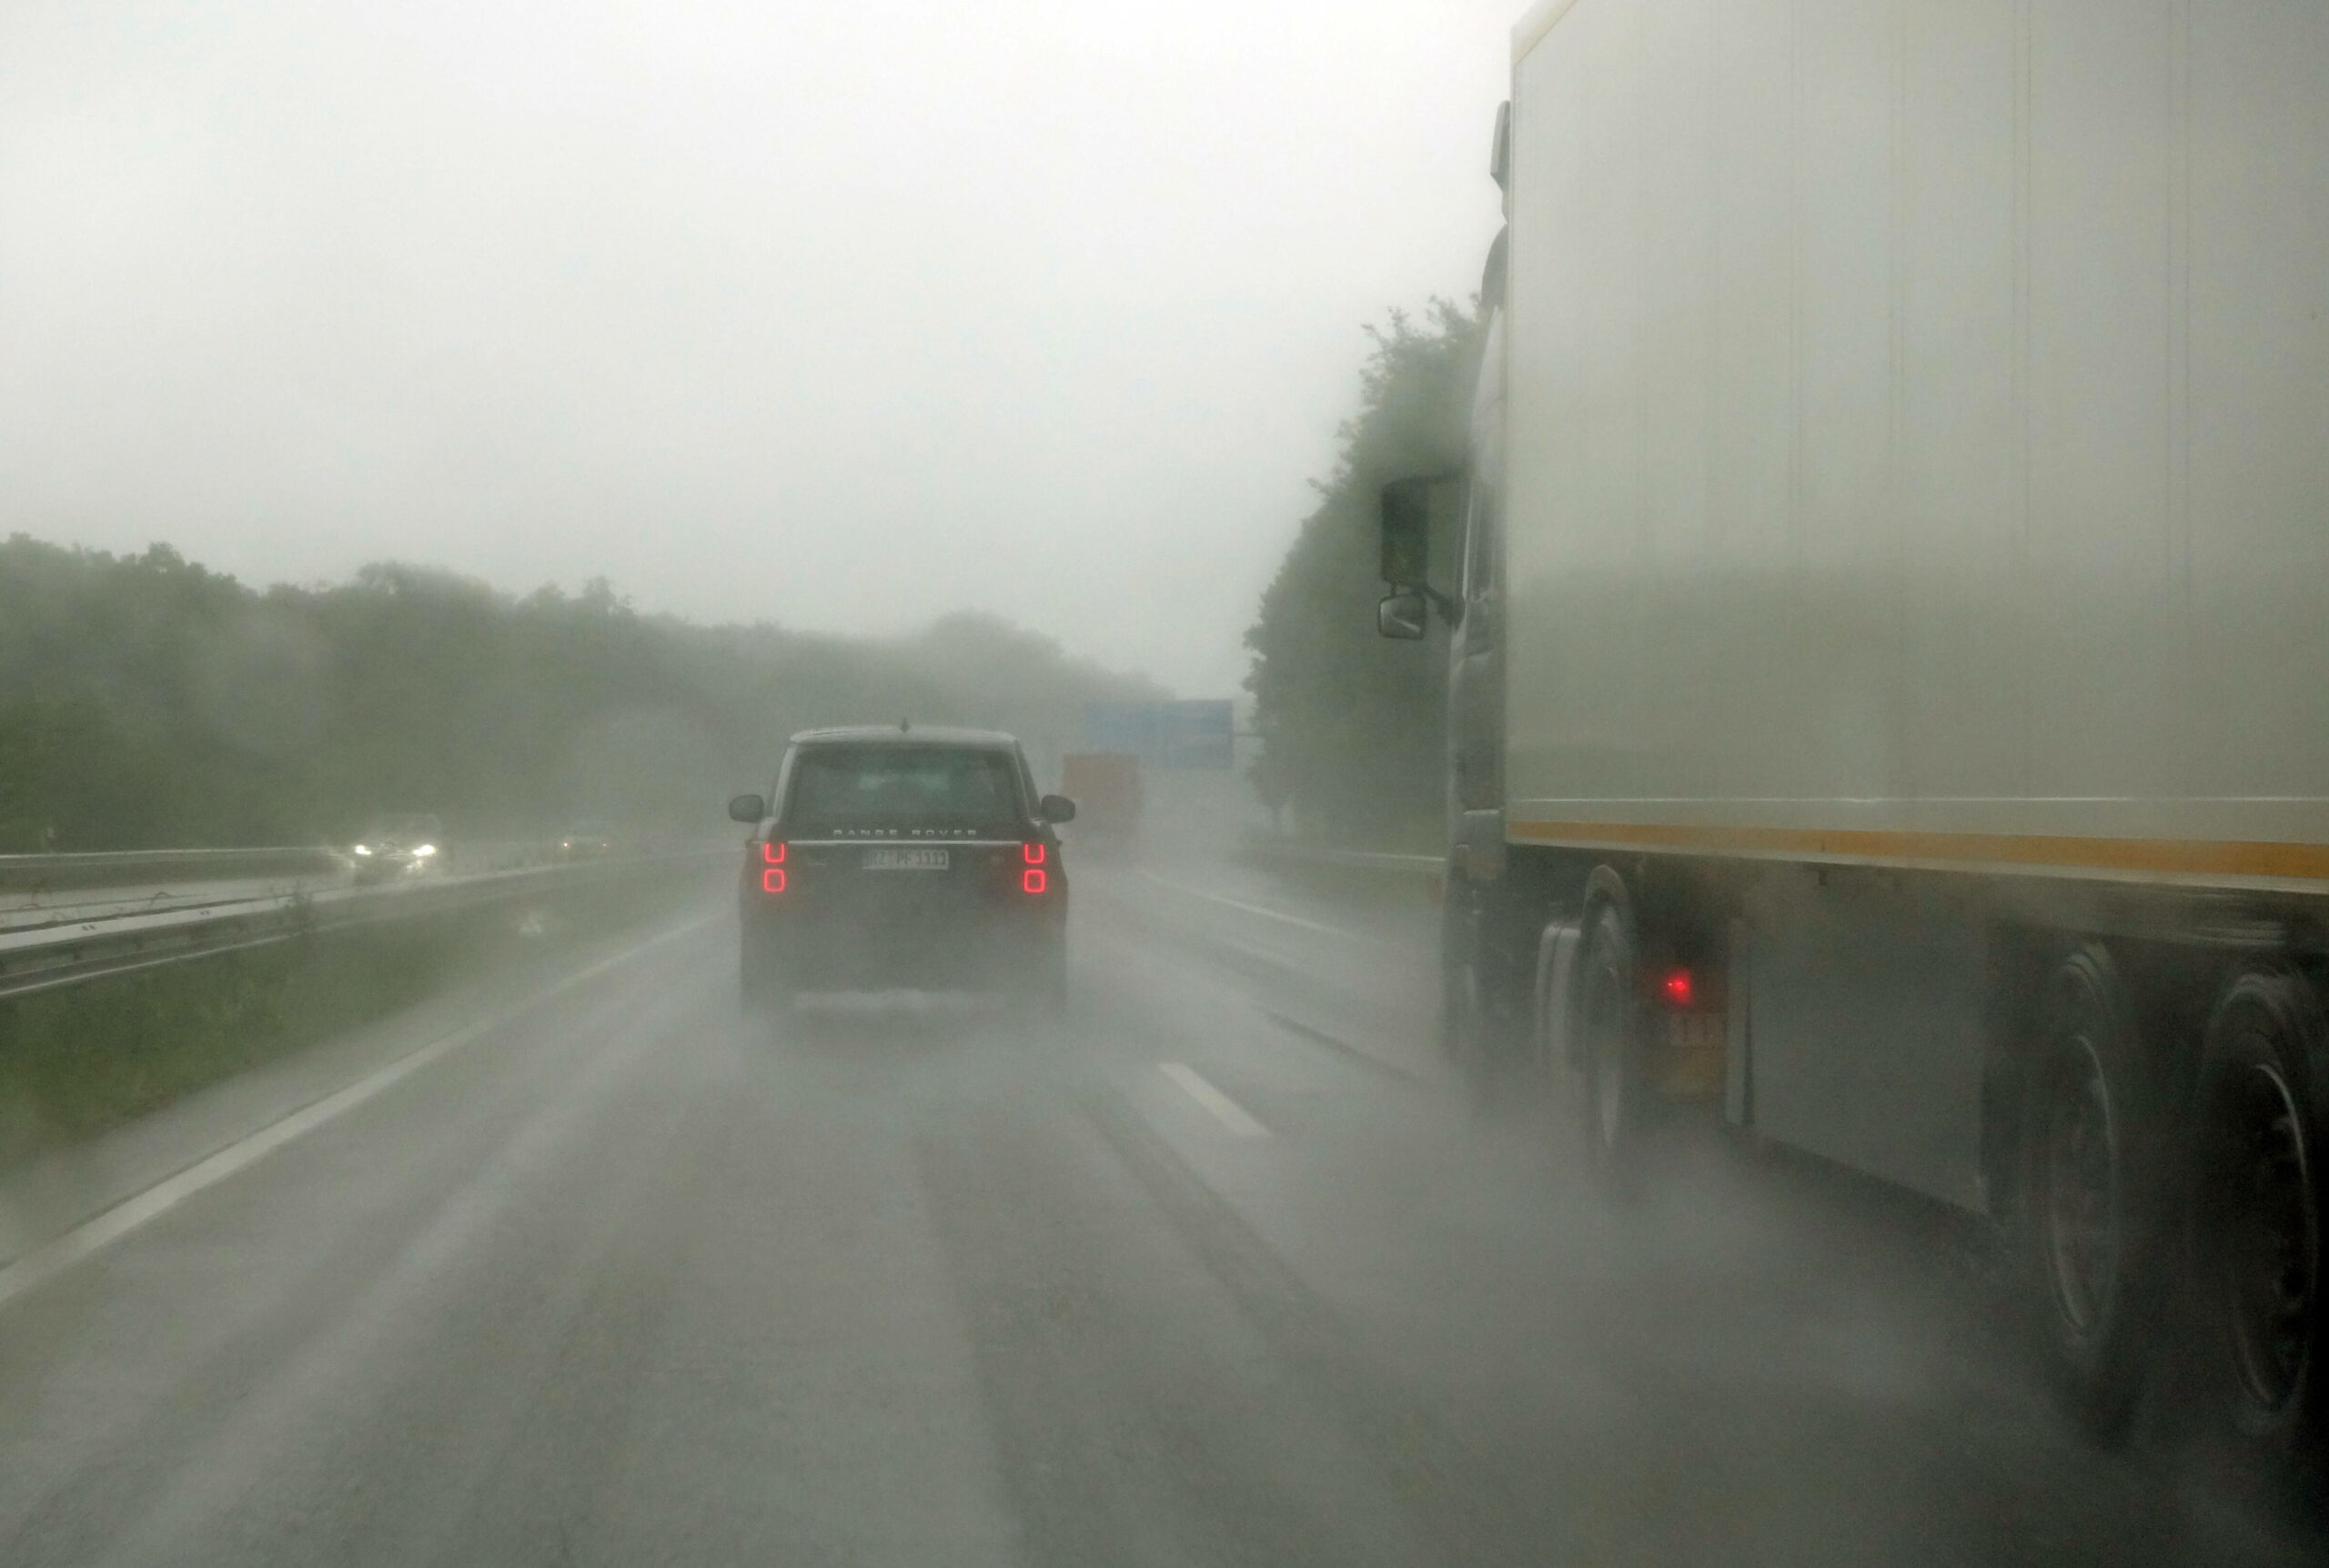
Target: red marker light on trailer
x=772, y=881
x=1677, y=988
x=1033, y=879
x=1031, y=853
x=772, y=852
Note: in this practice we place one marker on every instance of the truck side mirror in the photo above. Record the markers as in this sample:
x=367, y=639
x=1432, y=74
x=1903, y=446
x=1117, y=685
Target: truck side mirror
x=1407, y=560
x=1406, y=532
x=747, y=809
x=1400, y=615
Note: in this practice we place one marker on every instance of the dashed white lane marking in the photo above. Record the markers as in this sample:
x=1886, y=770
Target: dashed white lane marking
x=1228, y=1111
x=1263, y=910
x=50, y=1258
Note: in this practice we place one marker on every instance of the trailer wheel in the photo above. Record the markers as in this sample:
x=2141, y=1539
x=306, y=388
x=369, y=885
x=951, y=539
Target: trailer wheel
x=1475, y=1023
x=1615, y=1097
x=2258, y=1205
x=2096, y=1187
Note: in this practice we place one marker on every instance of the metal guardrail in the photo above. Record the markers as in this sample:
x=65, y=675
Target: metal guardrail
x=119, y=940
x=39, y=875
x=46, y=873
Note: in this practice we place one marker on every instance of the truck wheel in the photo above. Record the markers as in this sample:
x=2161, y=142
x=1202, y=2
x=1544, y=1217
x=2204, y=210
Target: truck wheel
x=1615, y=1097
x=1462, y=997
x=1479, y=1026
x=2259, y=1201
x=1553, y=1053
x=2096, y=1221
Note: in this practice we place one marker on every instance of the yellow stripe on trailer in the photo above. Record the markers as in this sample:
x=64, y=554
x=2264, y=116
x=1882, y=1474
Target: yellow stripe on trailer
x=2025, y=853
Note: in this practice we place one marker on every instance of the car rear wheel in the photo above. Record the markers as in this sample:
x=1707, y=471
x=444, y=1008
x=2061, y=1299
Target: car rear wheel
x=1046, y=981
x=762, y=986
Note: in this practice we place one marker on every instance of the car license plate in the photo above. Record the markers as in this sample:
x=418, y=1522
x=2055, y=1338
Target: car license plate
x=905, y=860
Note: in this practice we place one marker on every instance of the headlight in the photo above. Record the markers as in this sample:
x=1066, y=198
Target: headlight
x=425, y=849
x=362, y=848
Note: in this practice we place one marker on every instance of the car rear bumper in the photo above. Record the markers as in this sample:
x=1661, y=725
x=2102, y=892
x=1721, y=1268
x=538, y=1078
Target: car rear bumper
x=974, y=948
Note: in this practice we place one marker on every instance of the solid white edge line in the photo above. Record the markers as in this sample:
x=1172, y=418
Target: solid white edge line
x=44, y=1262
x=1265, y=913
x=1228, y=1111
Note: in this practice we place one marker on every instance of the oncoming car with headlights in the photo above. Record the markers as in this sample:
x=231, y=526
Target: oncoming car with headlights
x=587, y=841
x=402, y=846
x=902, y=857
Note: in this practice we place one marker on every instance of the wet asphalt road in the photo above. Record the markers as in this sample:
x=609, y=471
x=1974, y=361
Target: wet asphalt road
x=1216, y=1267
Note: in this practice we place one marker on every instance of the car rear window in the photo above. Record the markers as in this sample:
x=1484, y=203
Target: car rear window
x=886, y=790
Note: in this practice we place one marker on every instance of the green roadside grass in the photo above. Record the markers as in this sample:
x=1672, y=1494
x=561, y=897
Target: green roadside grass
x=80, y=1060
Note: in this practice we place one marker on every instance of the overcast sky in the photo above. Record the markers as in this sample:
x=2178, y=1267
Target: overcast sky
x=837, y=313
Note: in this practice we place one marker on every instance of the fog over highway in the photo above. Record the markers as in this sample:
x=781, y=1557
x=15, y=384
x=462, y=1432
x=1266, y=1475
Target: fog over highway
x=1046, y=309
x=1216, y=1267
x=1527, y=783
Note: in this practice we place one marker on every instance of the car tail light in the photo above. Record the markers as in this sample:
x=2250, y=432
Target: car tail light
x=772, y=852
x=772, y=880
x=1032, y=879
x=1679, y=987
x=1034, y=854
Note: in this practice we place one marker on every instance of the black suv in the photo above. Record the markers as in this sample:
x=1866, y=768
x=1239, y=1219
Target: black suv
x=902, y=856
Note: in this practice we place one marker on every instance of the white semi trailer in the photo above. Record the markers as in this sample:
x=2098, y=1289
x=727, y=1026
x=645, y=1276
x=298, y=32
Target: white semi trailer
x=1890, y=695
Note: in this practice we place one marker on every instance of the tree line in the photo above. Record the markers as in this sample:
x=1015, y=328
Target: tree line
x=1353, y=728
x=147, y=702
